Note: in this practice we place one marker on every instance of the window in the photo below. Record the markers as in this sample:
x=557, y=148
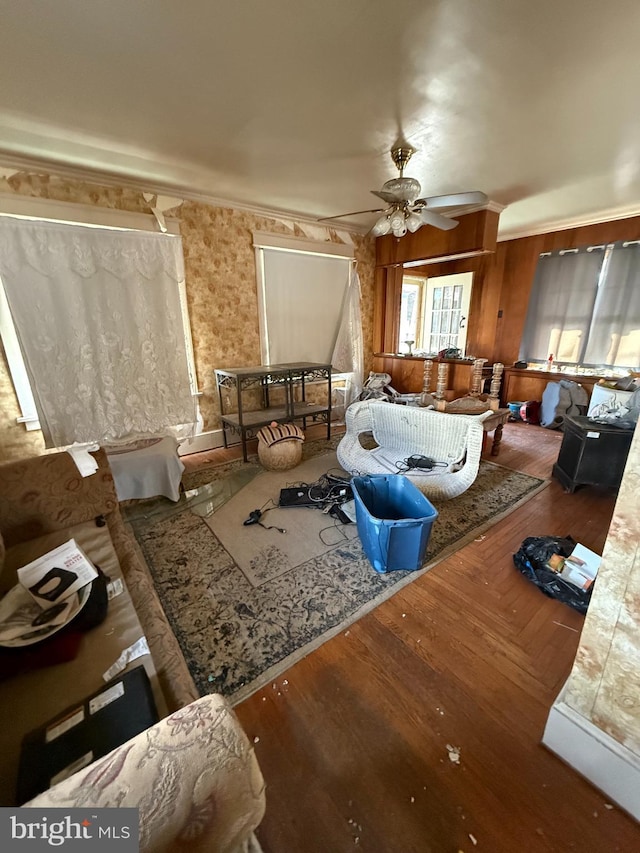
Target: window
x=15, y=362
x=585, y=308
x=79, y=294
x=47, y=210
x=18, y=371
x=434, y=311
x=411, y=305
x=301, y=293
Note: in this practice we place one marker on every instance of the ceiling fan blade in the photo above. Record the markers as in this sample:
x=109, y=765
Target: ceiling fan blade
x=390, y=198
x=353, y=213
x=453, y=200
x=429, y=217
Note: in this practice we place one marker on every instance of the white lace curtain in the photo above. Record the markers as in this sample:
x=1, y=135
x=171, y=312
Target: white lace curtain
x=97, y=313
x=348, y=355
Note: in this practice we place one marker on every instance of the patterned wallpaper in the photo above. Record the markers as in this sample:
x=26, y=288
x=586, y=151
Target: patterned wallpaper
x=221, y=286
x=604, y=685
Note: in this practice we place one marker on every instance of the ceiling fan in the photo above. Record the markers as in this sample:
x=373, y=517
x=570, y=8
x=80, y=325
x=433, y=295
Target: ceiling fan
x=406, y=211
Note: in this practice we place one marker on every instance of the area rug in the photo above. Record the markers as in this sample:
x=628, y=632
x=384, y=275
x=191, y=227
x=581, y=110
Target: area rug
x=264, y=553
x=240, y=632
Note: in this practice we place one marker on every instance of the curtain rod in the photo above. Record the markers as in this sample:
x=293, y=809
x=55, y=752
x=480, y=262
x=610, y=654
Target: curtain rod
x=575, y=251
x=602, y=246
x=29, y=207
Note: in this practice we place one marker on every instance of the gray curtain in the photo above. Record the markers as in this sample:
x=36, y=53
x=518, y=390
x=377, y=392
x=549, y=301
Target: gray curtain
x=561, y=304
x=614, y=337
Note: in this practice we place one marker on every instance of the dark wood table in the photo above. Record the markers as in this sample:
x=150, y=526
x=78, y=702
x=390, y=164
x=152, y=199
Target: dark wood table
x=494, y=424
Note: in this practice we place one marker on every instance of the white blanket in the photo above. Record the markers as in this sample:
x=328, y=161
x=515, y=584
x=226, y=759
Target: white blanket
x=146, y=468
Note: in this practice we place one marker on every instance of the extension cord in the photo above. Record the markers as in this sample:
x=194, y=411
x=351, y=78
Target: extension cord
x=420, y=462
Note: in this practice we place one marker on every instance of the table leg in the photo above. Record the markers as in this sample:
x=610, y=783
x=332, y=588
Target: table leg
x=497, y=438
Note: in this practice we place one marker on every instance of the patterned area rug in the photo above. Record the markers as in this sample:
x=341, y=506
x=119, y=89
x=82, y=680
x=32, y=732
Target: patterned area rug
x=238, y=633
x=262, y=555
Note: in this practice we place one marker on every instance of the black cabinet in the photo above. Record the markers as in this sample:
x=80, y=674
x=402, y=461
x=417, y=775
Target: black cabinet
x=591, y=454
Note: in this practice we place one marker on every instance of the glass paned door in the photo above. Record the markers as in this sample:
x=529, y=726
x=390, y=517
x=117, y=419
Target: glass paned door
x=446, y=312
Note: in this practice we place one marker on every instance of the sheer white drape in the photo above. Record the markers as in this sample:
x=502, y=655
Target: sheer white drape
x=97, y=313
x=348, y=355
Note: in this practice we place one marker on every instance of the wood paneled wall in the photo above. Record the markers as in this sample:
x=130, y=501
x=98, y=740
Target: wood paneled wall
x=518, y=260
x=501, y=285
x=407, y=373
x=475, y=233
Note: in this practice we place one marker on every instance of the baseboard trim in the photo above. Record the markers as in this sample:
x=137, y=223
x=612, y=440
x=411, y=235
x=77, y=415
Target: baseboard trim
x=210, y=440
x=604, y=762
x=213, y=439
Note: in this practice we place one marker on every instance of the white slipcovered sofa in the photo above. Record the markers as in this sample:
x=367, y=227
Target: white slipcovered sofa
x=404, y=431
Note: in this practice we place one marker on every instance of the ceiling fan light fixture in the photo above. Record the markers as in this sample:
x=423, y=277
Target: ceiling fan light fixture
x=382, y=227
x=404, y=189
x=397, y=220
x=406, y=209
x=414, y=221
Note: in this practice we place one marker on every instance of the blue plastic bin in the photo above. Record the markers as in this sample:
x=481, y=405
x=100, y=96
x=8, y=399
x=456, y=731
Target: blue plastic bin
x=394, y=521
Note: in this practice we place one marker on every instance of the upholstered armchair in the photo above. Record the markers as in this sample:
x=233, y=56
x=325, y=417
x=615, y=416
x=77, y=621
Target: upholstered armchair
x=193, y=777
x=453, y=441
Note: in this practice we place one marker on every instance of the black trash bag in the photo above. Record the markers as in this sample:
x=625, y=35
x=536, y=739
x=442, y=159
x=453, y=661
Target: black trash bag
x=531, y=559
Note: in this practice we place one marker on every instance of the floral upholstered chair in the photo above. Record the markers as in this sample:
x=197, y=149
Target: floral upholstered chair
x=193, y=777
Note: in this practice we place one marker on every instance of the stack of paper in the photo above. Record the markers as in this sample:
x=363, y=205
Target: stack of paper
x=51, y=590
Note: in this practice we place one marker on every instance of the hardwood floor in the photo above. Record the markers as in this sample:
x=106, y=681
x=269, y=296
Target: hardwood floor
x=355, y=741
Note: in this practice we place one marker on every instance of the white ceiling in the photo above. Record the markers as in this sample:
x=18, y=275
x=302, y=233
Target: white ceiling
x=292, y=106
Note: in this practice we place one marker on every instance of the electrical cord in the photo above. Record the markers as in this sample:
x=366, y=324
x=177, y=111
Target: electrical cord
x=256, y=514
x=328, y=490
x=418, y=462
x=342, y=477
x=336, y=529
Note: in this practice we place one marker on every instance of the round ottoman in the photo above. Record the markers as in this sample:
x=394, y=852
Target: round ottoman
x=280, y=446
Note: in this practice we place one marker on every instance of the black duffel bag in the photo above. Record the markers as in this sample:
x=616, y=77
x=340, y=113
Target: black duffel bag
x=531, y=559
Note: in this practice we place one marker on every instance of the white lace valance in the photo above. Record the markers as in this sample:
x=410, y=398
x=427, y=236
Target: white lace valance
x=52, y=248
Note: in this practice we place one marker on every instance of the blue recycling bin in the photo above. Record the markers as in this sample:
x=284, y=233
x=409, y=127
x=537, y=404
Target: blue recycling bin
x=394, y=521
